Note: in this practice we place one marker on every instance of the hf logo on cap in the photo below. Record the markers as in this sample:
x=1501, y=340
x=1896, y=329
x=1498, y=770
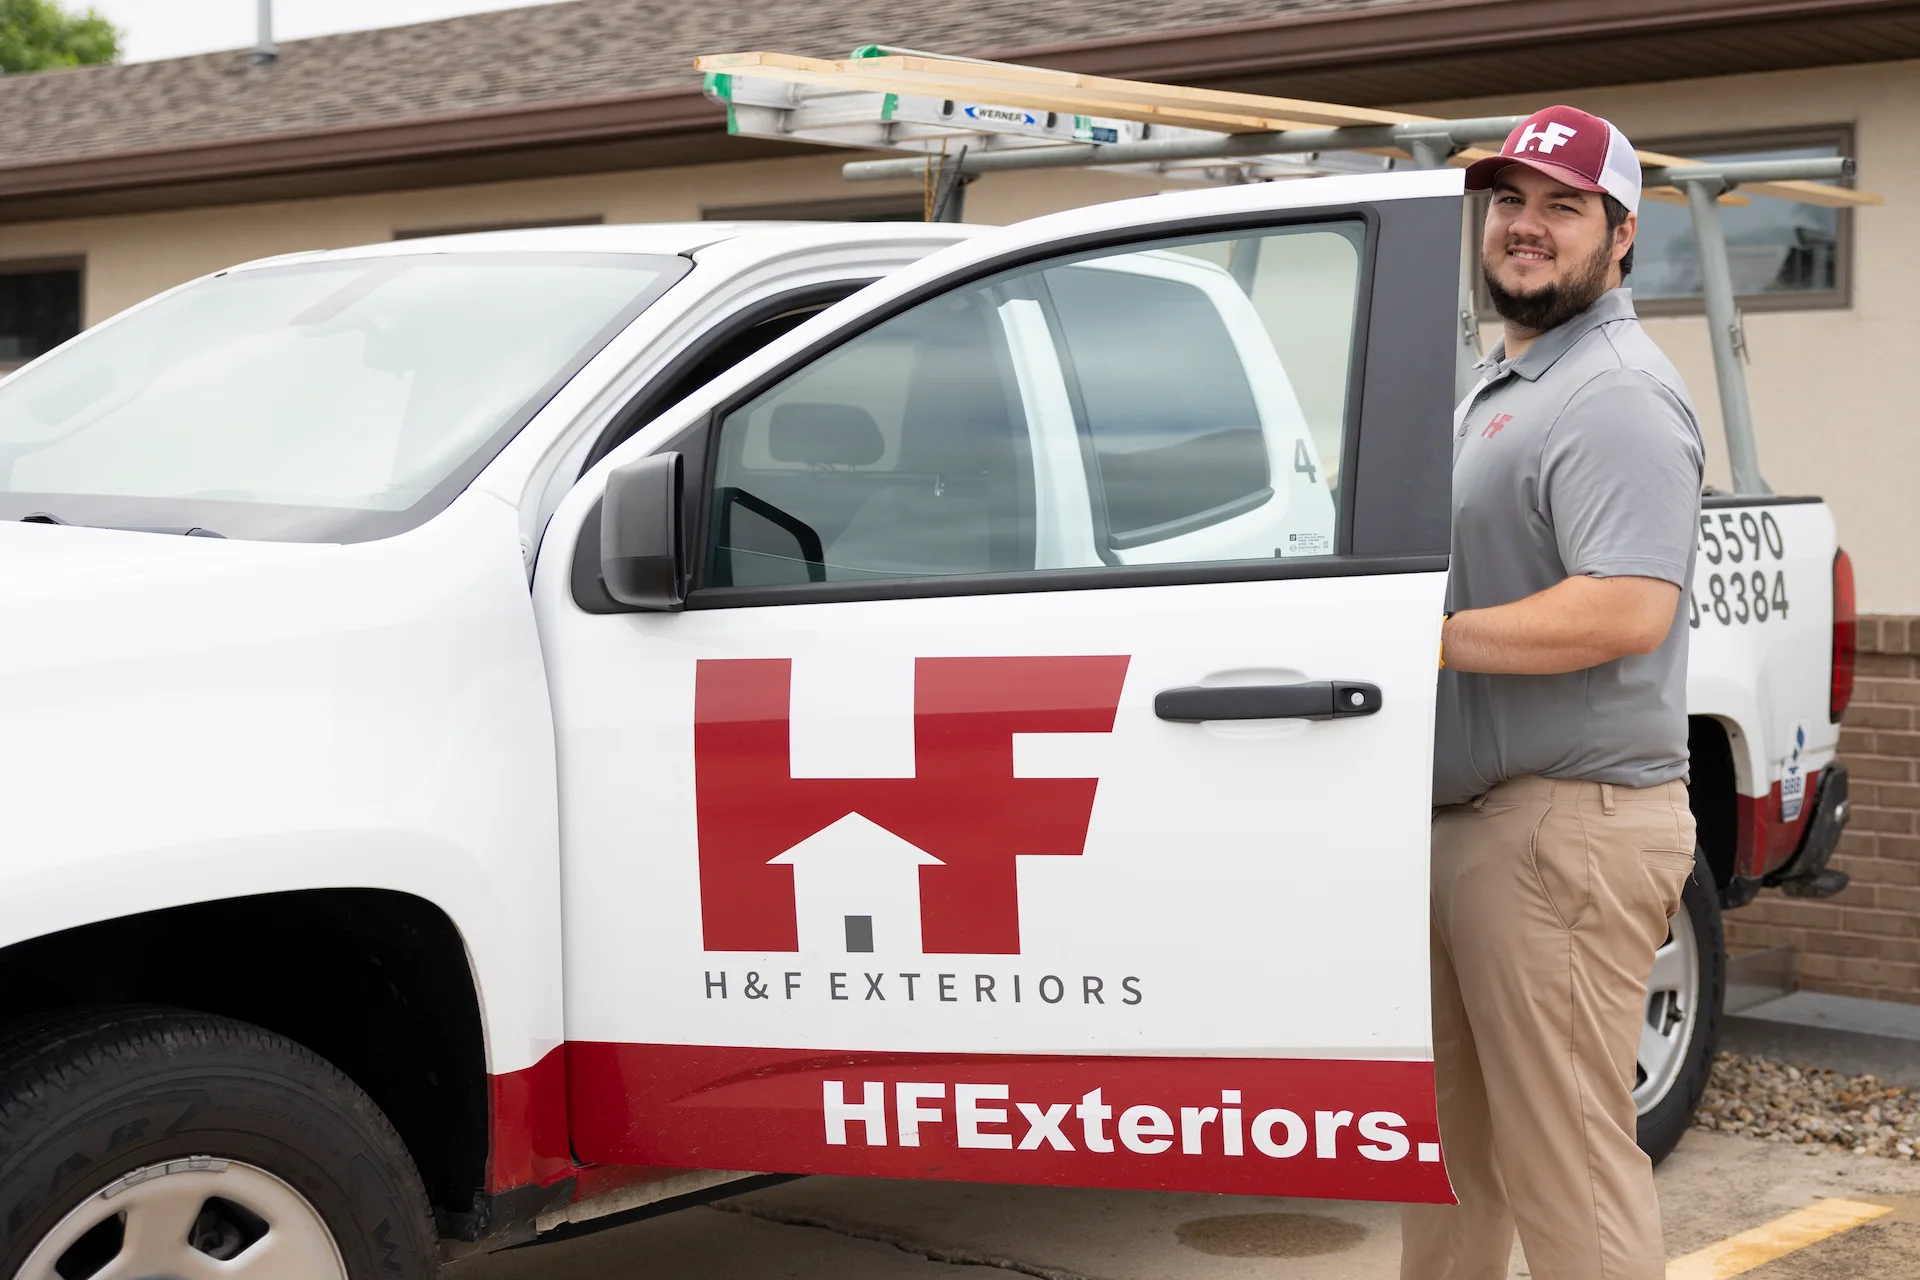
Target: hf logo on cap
x=1581, y=150
x=1538, y=138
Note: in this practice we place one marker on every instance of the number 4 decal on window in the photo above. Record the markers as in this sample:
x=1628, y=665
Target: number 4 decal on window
x=1303, y=462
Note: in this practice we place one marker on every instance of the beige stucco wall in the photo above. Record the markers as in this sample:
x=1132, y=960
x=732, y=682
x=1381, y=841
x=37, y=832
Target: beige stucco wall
x=1834, y=392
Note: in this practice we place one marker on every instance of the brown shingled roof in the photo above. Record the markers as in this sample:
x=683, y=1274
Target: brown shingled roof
x=518, y=57
x=597, y=85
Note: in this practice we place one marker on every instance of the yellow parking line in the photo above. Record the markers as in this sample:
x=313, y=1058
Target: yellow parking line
x=1770, y=1240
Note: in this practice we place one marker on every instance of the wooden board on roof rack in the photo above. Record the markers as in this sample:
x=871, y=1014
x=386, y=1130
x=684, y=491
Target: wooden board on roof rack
x=900, y=75
x=885, y=75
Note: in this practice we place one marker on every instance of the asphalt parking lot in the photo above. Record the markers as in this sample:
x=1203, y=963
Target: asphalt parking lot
x=1732, y=1205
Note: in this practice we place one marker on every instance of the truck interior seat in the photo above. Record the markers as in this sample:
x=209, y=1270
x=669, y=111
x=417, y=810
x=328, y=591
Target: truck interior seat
x=947, y=506
x=825, y=435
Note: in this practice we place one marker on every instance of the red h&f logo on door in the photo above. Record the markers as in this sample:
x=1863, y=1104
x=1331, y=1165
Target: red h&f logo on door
x=964, y=806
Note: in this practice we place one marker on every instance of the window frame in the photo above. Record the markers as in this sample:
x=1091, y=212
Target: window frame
x=76, y=263
x=482, y=228
x=650, y=398
x=907, y=207
x=708, y=530
x=1389, y=521
x=1838, y=298
x=1107, y=541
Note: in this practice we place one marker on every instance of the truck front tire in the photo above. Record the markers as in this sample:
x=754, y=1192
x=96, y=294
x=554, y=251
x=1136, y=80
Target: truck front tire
x=134, y=1139
x=1682, y=1017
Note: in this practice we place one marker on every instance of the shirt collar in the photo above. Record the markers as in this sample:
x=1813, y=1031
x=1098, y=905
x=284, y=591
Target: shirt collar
x=1614, y=304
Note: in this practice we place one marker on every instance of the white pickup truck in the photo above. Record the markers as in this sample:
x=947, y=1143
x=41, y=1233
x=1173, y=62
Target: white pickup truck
x=507, y=730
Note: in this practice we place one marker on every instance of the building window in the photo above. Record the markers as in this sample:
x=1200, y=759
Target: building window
x=39, y=309
x=471, y=228
x=902, y=208
x=1784, y=256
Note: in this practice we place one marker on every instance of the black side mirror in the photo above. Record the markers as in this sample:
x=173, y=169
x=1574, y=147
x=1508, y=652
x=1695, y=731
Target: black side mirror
x=641, y=556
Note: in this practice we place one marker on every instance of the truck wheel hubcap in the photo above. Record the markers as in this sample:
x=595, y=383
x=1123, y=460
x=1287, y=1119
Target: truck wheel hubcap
x=188, y=1219
x=1673, y=1014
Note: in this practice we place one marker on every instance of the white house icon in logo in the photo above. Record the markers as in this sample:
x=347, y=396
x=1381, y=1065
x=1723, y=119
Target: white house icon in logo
x=856, y=888
x=1547, y=139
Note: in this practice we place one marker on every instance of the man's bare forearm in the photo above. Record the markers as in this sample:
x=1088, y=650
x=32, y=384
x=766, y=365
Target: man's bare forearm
x=1578, y=623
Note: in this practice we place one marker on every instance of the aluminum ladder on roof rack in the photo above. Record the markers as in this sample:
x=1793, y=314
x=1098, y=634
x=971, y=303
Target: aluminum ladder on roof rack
x=961, y=117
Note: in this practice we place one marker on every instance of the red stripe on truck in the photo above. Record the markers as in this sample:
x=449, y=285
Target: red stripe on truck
x=1763, y=840
x=528, y=1118
x=1329, y=1128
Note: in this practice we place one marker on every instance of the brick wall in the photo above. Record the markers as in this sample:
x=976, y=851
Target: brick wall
x=1866, y=941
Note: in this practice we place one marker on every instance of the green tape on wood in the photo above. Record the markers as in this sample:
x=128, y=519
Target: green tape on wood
x=719, y=84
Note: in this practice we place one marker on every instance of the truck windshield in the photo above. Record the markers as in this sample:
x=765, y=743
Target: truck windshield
x=332, y=401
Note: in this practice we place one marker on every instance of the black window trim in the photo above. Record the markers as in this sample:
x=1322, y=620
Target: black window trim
x=1192, y=522
x=648, y=401
x=1419, y=537
x=1102, y=578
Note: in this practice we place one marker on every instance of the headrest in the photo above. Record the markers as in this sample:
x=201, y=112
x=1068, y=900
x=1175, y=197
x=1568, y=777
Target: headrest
x=841, y=435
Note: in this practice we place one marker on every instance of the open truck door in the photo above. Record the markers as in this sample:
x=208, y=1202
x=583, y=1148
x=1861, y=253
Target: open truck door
x=995, y=721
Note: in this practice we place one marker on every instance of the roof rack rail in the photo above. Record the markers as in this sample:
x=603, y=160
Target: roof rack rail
x=957, y=118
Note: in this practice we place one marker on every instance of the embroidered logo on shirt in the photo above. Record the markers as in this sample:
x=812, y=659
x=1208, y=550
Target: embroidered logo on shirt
x=1494, y=424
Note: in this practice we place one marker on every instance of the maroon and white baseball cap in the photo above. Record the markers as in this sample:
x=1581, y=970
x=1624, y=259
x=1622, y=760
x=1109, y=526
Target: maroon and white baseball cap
x=1582, y=150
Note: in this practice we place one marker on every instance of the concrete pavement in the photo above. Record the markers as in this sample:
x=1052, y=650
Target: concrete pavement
x=1713, y=1186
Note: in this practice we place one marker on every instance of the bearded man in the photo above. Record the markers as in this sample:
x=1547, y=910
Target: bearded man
x=1561, y=833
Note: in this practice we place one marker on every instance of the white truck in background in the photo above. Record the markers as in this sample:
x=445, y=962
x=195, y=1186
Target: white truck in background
x=512, y=729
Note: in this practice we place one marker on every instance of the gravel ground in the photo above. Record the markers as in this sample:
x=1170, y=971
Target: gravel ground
x=1809, y=1106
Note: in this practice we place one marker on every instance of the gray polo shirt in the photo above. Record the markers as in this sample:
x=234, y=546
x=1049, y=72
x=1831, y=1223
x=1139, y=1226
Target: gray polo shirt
x=1580, y=456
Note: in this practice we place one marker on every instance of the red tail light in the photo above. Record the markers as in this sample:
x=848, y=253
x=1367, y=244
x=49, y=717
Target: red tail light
x=1846, y=629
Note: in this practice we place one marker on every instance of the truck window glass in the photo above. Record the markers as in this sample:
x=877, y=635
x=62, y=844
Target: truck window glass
x=1167, y=448
x=713, y=353
x=1118, y=407
x=901, y=450
x=1304, y=283
x=330, y=402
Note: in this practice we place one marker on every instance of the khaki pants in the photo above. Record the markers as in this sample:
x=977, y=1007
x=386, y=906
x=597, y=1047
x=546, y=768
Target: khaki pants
x=1549, y=898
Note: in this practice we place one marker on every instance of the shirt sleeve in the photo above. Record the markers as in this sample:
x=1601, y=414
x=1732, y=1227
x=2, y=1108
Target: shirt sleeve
x=1620, y=479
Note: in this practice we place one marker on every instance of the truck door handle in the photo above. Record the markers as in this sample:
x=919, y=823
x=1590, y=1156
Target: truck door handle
x=1312, y=700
